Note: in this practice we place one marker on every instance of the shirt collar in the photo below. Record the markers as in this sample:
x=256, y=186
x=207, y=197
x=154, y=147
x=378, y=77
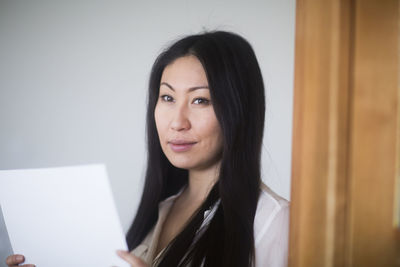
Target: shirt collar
x=171, y=198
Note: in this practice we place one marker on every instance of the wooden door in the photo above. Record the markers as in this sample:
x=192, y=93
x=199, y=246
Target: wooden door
x=345, y=164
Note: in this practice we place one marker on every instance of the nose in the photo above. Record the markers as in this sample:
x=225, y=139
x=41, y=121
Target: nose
x=180, y=119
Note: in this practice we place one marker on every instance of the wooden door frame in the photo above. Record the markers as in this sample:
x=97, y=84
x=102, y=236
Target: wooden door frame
x=345, y=131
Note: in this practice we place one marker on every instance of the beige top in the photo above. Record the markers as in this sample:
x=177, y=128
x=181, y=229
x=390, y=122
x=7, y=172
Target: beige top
x=271, y=227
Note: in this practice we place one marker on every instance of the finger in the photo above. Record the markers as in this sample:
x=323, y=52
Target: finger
x=131, y=259
x=15, y=259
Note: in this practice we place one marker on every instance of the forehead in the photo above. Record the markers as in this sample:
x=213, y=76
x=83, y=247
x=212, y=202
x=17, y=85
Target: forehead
x=184, y=72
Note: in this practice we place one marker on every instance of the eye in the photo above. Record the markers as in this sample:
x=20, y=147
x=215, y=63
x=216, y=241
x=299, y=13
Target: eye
x=166, y=98
x=201, y=101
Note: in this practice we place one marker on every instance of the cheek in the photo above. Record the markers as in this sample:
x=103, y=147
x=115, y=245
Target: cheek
x=217, y=136
x=211, y=129
x=159, y=121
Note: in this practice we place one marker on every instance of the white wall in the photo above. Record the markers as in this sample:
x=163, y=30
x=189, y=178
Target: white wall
x=73, y=78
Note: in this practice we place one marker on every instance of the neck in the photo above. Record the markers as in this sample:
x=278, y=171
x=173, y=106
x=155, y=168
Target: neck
x=201, y=182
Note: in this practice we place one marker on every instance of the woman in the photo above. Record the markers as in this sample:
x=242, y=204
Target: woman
x=203, y=202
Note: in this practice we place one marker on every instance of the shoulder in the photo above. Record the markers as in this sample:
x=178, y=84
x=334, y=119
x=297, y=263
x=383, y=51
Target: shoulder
x=270, y=208
x=271, y=229
x=266, y=193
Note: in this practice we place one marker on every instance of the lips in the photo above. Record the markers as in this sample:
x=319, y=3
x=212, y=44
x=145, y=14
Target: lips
x=181, y=145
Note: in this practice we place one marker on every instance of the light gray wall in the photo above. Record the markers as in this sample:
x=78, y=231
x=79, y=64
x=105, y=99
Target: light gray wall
x=73, y=78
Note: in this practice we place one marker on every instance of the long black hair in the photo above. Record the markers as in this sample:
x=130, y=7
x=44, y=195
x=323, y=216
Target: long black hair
x=237, y=93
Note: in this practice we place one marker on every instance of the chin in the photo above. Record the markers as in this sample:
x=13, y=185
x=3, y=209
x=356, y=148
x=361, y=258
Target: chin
x=185, y=162
x=183, y=165
x=191, y=164
x=192, y=161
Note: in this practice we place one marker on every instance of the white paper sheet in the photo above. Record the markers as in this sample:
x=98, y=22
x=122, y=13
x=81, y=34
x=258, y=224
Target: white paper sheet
x=62, y=217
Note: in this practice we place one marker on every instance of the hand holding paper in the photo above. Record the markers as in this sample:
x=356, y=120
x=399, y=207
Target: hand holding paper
x=16, y=260
x=62, y=216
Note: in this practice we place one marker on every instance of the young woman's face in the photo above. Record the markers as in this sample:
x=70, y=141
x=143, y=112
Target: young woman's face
x=188, y=129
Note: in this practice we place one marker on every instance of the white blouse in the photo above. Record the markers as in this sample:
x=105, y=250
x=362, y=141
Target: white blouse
x=271, y=228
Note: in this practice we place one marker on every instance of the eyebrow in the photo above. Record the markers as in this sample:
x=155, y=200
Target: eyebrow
x=190, y=89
